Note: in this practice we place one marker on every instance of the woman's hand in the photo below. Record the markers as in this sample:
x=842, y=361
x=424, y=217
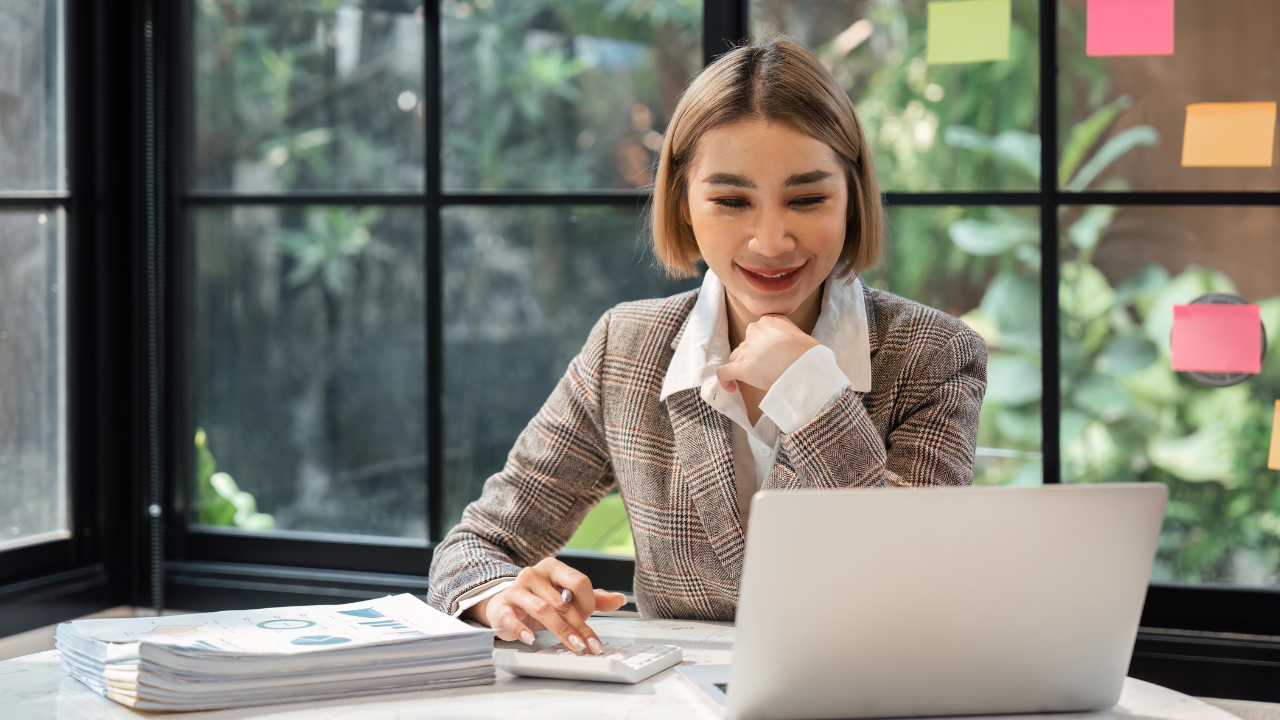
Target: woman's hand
x=772, y=344
x=533, y=603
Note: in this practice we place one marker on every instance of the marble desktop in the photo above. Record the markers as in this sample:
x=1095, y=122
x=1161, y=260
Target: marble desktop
x=36, y=688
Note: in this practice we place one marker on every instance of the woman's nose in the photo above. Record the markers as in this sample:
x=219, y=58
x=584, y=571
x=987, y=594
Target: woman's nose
x=771, y=236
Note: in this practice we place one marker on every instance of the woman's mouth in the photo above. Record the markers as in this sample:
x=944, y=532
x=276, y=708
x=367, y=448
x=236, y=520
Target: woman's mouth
x=771, y=279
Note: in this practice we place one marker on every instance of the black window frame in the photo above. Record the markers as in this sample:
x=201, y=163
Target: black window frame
x=128, y=123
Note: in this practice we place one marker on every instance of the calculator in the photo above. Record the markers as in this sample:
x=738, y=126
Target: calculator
x=619, y=663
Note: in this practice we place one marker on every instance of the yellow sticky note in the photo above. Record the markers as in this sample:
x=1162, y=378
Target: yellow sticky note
x=968, y=31
x=1273, y=460
x=1238, y=134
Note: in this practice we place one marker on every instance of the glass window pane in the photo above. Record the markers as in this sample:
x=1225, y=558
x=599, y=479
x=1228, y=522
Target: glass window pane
x=32, y=143
x=1123, y=119
x=308, y=95
x=969, y=126
x=548, y=94
x=1127, y=416
x=529, y=283
x=310, y=370
x=982, y=264
x=33, y=430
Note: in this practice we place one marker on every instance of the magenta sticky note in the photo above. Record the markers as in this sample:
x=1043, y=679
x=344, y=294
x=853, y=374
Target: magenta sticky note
x=1217, y=338
x=1130, y=27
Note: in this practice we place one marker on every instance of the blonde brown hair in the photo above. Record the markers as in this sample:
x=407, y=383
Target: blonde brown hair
x=775, y=80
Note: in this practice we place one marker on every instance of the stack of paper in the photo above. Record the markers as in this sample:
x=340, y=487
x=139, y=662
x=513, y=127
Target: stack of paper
x=256, y=657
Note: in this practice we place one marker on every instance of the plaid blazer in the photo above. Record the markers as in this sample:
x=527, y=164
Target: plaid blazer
x=673, y=464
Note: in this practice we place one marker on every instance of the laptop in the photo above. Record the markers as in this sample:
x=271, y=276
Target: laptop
x=938, y=601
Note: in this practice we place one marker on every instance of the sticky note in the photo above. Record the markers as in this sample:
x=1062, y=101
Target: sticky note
x=1273, y=460
x=968, y=31
x=1239, y=134
x=1217, y=338
x=1129, y=27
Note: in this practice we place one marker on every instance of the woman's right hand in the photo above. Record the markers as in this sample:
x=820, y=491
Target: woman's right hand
x=533, y=603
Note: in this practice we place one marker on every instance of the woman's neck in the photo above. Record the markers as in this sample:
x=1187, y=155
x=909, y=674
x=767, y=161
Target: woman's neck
x=805, y=317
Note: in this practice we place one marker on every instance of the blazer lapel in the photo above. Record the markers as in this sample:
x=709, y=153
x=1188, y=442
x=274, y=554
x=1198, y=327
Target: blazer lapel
x=704, y=443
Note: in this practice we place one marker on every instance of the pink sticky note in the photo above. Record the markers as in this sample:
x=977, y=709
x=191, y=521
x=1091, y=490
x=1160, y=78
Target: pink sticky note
x=1130, y=27
x=1217, y=338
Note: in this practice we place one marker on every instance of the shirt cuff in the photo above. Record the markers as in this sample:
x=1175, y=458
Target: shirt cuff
x=477, y=594
x=808, y=387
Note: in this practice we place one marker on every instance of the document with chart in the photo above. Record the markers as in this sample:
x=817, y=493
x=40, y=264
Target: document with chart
x=253, y=657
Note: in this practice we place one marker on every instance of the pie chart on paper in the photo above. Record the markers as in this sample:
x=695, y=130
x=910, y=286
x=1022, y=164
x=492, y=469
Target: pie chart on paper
x=321, y=640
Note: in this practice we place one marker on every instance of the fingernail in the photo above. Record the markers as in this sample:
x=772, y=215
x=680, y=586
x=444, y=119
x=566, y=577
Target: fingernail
x=527, y=637
x=596, y=647
x=576, y=643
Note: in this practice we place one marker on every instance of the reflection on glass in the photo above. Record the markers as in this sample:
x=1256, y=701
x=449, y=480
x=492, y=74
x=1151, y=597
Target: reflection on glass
x=309, y=370
x=556, y=94
x=522, y=288
x=983, y=266
x=33, y=429
x=1126, y=416
x=932, y=127
x=1122, y=119
x=308, y=95
x=32, y=144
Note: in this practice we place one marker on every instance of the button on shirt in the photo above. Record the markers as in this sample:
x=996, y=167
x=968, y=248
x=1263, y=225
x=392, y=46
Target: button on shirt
x=808, y=387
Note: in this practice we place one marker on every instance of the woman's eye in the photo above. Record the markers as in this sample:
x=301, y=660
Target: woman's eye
x=730, y=202
x=805, y=202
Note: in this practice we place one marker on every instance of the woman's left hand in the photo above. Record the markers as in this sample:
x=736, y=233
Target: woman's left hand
x=772, y=344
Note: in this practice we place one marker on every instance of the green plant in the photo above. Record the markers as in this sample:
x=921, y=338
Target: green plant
x=219, y=500
x=605, y=529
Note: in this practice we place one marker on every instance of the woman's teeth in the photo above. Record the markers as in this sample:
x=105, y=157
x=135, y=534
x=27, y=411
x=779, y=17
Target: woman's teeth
x=774, y=277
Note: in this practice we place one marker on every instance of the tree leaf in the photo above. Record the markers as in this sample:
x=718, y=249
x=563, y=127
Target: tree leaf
x=1012, y=380
x=1111, y=151
x=1202, y=456
x=1084, y=233
x=1084, y=134
x=1126, y=355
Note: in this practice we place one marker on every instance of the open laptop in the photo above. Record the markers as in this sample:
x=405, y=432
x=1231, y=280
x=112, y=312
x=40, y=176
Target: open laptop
x=938, y=601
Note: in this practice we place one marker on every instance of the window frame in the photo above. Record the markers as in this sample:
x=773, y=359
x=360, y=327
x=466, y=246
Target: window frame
x=93, y=569
x=1189, y=607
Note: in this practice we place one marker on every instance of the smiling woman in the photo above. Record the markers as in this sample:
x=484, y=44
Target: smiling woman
x=782, y=372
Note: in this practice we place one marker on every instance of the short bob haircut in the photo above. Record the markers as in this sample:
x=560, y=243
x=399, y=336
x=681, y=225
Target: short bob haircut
x=775, y=80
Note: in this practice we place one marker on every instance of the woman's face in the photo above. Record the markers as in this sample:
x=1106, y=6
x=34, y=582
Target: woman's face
x=767, y=204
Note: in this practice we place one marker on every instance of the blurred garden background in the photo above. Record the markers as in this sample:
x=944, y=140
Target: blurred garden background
x=309, y=371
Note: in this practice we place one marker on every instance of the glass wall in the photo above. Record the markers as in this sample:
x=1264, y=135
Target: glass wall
x=982, y=265
x=932, y=127
x=562, y=94
x=34, y=501
x=522, y=289
x=1123, y=119
x=308, y=95
x=310, y=369
x=1127, y=416
x=33, y=396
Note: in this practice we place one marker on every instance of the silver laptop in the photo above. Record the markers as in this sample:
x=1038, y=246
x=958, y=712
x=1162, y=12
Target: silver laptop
x=946, y=601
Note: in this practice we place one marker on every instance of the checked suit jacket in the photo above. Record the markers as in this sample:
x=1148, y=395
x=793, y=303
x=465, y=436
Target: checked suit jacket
x=672, y=461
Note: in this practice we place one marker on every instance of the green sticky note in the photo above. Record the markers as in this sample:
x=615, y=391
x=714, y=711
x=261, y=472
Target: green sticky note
x=968, y=31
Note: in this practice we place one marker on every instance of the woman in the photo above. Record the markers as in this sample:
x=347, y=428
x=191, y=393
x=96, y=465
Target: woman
x=782, y=371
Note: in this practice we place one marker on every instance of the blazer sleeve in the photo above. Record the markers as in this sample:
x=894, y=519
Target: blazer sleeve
x=932, y=438
x=557, y=471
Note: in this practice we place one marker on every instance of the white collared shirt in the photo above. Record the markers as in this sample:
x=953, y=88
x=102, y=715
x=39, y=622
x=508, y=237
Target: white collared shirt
x=808, y=387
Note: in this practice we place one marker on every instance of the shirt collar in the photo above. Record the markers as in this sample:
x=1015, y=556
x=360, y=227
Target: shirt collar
x=704, y=345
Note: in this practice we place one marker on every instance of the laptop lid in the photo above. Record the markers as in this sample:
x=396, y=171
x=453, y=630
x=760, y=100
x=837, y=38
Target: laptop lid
x=941, y=601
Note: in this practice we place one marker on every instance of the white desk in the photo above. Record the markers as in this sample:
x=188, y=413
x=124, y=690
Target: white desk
x=36, y=688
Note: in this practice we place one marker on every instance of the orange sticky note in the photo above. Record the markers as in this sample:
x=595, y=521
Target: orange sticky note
x=1273, y=460
x=1217, y=338
x=1239, y=134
